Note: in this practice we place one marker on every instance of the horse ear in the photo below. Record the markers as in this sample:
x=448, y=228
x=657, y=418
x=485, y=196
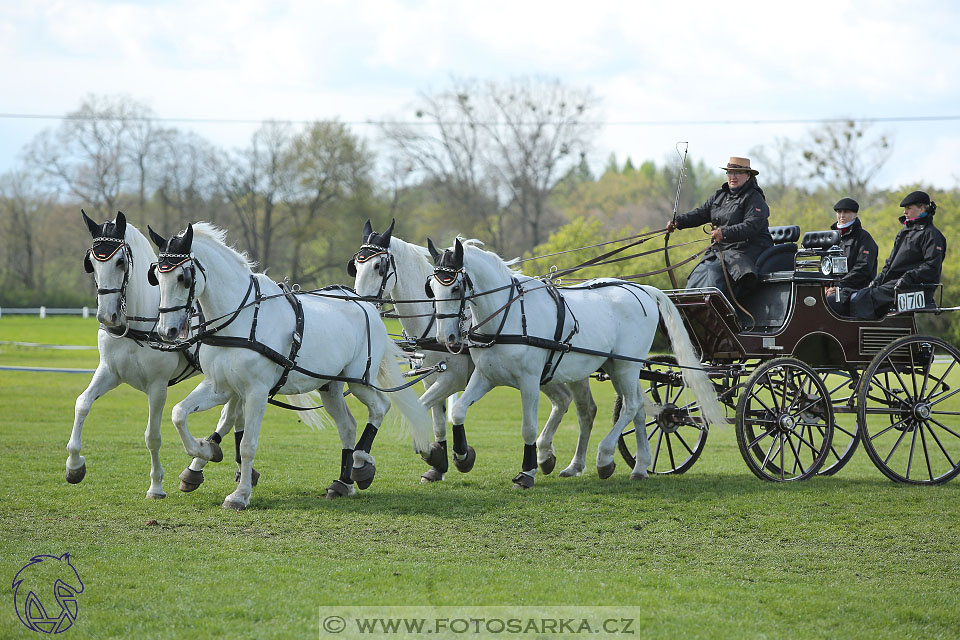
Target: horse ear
x=158, y=239
x=91, y=225
x=367, y=230
x=385, y=238
x=427, y=289
x=188, y=238
x=121, y=224
x=152, y=275
x=458, y=254
x=433, y=251
x=87, y=263
x=352, y=268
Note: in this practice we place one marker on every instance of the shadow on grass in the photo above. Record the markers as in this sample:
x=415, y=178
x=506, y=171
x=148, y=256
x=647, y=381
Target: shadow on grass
x=455, y=500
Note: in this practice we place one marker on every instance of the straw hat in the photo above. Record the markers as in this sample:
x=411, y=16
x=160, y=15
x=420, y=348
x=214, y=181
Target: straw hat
x=740, y=164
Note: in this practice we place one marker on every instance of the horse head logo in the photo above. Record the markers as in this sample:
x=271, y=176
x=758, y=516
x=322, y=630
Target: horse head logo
x=45, y=593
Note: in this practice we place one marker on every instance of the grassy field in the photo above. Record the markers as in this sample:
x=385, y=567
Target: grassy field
x=714, y=553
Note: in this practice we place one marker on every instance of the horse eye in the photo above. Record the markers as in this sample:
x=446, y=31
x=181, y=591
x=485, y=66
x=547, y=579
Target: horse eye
x=376, y=268
x=179, y=277
x=455, y=289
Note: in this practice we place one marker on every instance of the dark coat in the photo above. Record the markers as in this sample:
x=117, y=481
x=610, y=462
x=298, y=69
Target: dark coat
x=916, y=259
x=743, y=218
x=861, y=252
x=917, y=256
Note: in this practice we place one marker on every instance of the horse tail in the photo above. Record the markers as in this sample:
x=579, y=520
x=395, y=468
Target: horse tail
x=312, y=417
x=406, y=400
x=693, y=374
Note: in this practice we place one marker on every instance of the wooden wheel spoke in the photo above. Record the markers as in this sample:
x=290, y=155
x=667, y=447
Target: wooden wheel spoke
x=896, y=444
x=877, y=435
x=943, y=377
x=926, y=454
x=942, y=398
x=897, y=373
x=945, y=427
x=940, y=444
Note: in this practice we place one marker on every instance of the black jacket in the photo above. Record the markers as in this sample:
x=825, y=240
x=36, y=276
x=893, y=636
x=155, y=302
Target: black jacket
x=743, y=218
x=861, y=252
x=917, y=255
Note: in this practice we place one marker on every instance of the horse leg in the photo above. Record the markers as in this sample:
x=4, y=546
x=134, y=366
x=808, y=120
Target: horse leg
x=103, y=380
x=156, y=398
x=377, y=403
x=336, y=408
x=627, y=384
x=530, y=400
x=254, y=406
x=643, y=445
x=200, y=399
x=586, y=412
x=435, y=400
x=230, y=416
x=464, y=455
x=560, y=397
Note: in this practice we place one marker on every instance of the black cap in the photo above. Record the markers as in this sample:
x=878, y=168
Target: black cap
x=848, y=204
x=917, y=197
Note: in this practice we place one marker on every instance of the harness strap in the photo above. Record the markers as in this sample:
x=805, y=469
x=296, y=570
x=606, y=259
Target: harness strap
x=297, y=337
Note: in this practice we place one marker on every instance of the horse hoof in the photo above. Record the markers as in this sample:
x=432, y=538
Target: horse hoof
x=190, y=479
x=254, y=477
x=546, y=467
x=436, y=456
x=463, y=466
x=74, y=476
x=363, y=476
x=236, y=505
x=638, y=476
x=571, y=472
x=217, y=452
x=156, y=496
x=338, y=490
x=431, y=475
x=606, y=470
x=523, y=481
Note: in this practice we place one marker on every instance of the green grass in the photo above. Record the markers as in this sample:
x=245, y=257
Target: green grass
x=714, y=553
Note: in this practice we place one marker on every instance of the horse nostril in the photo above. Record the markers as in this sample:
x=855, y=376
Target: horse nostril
x=451, y=338
x=171, y=333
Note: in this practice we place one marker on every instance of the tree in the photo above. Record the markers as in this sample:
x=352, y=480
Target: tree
x=845, y=157
x=98, y=153
x=327, y=168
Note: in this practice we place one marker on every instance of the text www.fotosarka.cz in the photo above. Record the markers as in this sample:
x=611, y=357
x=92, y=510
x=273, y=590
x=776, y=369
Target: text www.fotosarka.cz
x=480, y=621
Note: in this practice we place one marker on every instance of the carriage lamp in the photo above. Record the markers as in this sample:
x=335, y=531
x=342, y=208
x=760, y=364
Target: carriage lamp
x=833, y=265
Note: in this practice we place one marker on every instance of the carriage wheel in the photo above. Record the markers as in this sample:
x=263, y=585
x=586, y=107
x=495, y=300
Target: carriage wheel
x=907, y=411
x=677, y=435
x=842, y=389
x=784, y=421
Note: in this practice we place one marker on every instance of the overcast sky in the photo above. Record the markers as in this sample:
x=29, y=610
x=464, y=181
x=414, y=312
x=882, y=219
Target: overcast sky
x=359, y=60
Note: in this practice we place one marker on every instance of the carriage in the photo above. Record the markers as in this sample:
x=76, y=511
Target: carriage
x=805, y=386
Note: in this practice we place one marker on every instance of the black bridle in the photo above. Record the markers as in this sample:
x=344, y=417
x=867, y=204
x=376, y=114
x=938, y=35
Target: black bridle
x=385, y=266
x=103, y=250
x=167, y=263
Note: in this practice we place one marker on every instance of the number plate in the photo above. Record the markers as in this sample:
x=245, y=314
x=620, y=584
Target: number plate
x=910, y=301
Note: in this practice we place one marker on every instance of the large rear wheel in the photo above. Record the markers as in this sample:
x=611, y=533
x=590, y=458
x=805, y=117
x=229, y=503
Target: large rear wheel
x=908, y=410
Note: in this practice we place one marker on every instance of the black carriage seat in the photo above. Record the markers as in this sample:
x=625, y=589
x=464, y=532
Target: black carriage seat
x=769, y=302
x=821, y=239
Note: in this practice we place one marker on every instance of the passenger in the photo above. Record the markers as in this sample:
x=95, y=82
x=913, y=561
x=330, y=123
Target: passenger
x=739, y=214
x=916, y=260
x=861, y=253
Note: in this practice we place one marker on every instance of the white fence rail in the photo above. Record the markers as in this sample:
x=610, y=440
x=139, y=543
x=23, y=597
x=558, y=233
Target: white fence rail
x=43, y=312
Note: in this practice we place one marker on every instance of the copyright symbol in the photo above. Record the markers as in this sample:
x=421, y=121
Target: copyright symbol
x=334, y=624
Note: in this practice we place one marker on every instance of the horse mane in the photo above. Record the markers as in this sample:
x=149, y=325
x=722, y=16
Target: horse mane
x=406, y=252
x=138, y=243
x=207, y=232
x=472, y=249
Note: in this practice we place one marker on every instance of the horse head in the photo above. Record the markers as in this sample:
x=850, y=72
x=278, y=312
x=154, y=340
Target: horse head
x=175, y=273
x=109, y=260
x=451, y=298
x=373, y=266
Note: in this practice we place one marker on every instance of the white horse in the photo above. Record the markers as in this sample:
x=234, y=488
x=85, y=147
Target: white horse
x=262, y=339
x=386, y=267
x=608, y=324
x=127, y=311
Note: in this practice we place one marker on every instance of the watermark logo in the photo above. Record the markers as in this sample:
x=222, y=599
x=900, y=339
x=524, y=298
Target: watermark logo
x=45, y=593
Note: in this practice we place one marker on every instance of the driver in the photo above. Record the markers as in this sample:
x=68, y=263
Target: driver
x=916, y=259
x=739, y=214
